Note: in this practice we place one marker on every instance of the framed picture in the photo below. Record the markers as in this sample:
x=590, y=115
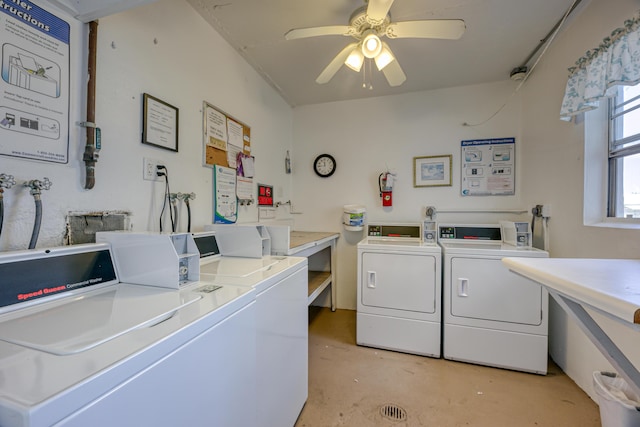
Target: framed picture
x=432, y=171
x=159, y=123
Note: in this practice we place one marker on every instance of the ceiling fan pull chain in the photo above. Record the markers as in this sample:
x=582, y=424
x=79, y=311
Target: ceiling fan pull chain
x=364, y=75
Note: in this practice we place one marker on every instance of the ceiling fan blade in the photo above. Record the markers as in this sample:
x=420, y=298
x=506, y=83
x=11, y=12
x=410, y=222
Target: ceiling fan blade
x=394, y=74
x=335, y=64
x=451, y=29
x=377, y=10
x=301, y=33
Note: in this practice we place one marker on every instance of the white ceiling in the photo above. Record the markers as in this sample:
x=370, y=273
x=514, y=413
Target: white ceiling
x=499, y=36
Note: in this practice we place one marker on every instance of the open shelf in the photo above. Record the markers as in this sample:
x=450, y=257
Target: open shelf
x=318, y=282
x=319, y=247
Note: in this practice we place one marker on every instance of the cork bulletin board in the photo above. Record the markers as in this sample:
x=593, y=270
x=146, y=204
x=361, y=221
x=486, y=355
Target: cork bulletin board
x=224, y=137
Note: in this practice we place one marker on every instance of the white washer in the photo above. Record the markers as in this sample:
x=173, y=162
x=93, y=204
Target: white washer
x=109, y=353
x=491, y=316
x=282, y=325
x=398, y=290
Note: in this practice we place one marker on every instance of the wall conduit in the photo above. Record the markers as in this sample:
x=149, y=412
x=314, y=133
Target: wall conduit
x=91, y=150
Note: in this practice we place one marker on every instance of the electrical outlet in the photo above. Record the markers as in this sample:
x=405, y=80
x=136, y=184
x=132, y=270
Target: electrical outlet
x=149, y=169
x=266, y=213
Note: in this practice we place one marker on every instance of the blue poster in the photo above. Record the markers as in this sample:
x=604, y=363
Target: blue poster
x=34, y=88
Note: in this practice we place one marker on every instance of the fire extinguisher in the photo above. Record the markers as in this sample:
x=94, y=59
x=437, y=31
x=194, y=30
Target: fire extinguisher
x=385, y=183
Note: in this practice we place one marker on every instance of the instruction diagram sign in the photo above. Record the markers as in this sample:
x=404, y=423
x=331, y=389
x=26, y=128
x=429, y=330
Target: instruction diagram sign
x=488, y=167
x=225, y=203
x=34, y=88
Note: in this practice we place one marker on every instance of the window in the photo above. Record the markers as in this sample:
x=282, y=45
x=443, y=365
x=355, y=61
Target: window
x=624, y=153
x=612, y=171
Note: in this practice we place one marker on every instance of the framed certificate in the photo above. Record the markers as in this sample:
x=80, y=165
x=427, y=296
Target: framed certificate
x=159, y=123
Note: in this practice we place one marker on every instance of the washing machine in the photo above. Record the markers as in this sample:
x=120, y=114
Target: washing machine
x=398, y=292
x=282, y=329
x=80, y=347
x=491, y=316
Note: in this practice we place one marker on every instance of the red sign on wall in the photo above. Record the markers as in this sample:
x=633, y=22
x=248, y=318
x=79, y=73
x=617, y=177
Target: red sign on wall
x=265, y=195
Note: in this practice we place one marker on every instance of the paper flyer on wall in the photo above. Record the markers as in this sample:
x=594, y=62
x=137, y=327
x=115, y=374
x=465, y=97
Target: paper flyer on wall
x=215, y=128
x=34, y=88
x=488, y=167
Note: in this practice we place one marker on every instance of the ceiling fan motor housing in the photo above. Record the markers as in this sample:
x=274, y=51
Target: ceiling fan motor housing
x=360, y=21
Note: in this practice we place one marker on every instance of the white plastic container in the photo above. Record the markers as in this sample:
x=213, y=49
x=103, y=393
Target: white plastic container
x=618, y=403
x=354, y=217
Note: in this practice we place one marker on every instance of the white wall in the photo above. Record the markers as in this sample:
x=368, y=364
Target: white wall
x=190, y=63
x=553, y=174
x=368, y=136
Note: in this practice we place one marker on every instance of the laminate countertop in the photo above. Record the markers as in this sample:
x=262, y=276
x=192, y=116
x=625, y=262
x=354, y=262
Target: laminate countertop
x=300, y=240
x=609, y=285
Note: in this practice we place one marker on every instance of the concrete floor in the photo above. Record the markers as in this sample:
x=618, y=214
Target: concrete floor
x=348, y=384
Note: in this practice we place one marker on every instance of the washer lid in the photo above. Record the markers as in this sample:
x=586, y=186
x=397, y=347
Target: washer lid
x=239, y=267
x=76, y=324
x=398, y=245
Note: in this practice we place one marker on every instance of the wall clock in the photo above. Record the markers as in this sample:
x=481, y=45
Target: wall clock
x=324, y=165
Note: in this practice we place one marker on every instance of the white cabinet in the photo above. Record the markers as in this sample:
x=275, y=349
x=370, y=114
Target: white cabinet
x=209, y=381
x=283, y=351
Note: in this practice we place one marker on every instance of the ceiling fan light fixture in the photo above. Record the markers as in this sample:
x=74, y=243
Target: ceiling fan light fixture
x=384, y=58
x=355, y=59
x=371, y=44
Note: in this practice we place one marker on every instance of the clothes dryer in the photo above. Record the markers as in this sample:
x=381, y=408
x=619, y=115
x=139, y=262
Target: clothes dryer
x=491, y=316
x=398, y=292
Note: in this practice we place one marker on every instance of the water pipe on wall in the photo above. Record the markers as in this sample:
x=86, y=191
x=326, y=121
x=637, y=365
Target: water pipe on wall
x=173, y=199
x=92, y=149
x=36, y=187
x=186, y=197
x=290, y=203
x=6, y=181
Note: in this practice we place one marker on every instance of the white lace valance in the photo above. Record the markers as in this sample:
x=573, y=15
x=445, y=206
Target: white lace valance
x=615, y=62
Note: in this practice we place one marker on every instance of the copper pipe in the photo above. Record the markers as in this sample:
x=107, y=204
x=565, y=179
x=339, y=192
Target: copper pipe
x=90, y=156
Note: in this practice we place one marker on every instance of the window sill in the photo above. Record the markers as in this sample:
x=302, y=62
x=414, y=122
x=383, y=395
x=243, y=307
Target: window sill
x=628, y=223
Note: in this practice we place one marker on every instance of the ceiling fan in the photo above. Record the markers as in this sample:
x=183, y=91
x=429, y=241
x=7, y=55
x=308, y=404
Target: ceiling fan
x=368, y=24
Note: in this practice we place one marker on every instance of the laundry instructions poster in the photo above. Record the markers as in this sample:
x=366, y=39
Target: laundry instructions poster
x=488, y=167
x=34, y=88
